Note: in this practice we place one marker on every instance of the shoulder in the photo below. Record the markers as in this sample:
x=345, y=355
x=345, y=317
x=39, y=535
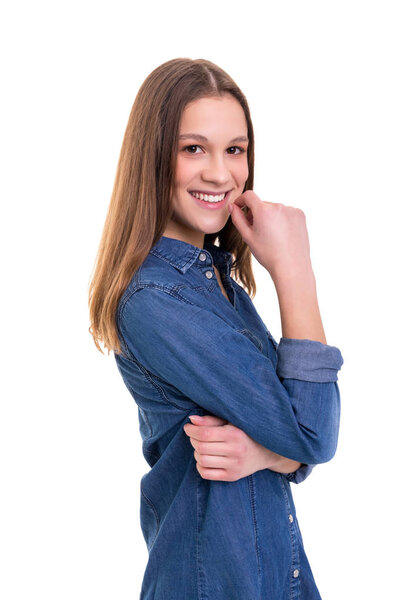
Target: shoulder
x=146, y=312
x=150, y=296
x=157, y=272
x=154, y=276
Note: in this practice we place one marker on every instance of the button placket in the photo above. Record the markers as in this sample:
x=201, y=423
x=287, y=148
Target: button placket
x=295, y=566
x=295, y=572
x=203, y=257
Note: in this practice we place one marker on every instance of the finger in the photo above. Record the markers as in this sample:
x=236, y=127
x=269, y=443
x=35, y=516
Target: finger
x=240, y=220
x=210, y=448
x=251, y=200
x=214, y=474
x=210, y=420
x=205, y=434
x=248, y=198
x=212, y=462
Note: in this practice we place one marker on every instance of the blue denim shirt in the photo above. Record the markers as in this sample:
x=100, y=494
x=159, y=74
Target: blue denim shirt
x=187, y=350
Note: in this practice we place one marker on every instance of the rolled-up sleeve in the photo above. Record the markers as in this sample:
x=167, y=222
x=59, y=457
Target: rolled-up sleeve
x=301, y=474
x=308, y=360
x=293, y=410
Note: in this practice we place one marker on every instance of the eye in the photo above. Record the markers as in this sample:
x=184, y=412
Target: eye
x=187, y=148
x=237, y=148
x=191, y=149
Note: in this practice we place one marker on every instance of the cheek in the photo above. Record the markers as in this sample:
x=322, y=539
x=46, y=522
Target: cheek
x=178, y=173
x=242, y=172
x=185, y=171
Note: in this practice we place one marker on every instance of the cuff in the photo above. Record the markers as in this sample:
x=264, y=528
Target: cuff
x=301, y=473
x=308, y=360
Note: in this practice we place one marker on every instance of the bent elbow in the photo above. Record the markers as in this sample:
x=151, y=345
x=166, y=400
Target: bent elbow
x=315, y=450
x=325, y=453
x=324, y=448
x=325, y=436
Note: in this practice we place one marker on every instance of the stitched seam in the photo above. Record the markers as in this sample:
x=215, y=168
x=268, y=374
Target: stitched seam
x=252, y=337
x=161, y=392
x=153, y=508
x=295, y=562
x=149, y=376
x=155, y=286
x=190, y=260
x=252, y=490
x=201, y=579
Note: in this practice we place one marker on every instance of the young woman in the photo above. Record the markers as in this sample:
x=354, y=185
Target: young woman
x=170, y=297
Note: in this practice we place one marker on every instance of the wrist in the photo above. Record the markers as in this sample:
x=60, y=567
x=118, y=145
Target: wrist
x=269, y=460
x=294, y=276
x=298, y=304
x=285, y=465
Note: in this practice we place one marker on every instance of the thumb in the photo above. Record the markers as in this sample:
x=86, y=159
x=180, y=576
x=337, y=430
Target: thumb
x=239, y=219
x=207, y=420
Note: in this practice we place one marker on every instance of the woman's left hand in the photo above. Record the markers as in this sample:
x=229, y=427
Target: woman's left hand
x=224, y=452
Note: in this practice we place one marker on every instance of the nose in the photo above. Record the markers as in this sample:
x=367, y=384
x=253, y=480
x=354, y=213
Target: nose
x=216, y=171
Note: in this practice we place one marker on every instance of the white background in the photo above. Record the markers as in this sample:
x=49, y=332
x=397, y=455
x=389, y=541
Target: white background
x=322, y=82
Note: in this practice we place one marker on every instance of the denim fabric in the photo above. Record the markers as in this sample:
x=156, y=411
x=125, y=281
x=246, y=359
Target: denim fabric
x=187, y=350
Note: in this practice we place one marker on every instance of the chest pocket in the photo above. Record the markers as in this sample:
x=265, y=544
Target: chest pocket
x=249, y=334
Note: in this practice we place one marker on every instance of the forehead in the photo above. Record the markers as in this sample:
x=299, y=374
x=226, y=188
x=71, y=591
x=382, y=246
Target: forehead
x=214, y=114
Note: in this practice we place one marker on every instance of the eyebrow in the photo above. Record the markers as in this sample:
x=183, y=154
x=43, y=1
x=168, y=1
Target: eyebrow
x=202, y=138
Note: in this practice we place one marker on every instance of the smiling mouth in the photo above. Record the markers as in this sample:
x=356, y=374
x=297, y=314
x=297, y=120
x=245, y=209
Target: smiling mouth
x=209, y=197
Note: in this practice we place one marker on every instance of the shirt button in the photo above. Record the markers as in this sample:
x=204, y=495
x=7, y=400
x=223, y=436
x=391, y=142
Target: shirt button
x=209, y=274
x=202, y=256
x=291, y=518
x=296, y=573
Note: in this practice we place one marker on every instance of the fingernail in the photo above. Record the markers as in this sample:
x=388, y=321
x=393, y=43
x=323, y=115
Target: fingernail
x=195, y=418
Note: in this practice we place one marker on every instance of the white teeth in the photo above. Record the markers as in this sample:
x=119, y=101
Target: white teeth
x=208, y=198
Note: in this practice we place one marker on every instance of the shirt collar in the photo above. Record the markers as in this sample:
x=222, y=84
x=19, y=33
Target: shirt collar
x=182, y=255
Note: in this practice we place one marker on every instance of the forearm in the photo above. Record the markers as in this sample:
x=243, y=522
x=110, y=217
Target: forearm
x=298, y=304
x=285, y=465
x=280, y=464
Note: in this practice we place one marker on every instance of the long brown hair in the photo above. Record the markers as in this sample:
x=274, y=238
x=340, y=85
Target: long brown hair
x=141, y=205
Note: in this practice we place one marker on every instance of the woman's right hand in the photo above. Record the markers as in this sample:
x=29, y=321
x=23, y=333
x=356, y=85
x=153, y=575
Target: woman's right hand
x=275, y=233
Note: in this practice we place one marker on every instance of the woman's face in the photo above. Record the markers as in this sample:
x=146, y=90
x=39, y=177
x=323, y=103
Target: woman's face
x=212, y=160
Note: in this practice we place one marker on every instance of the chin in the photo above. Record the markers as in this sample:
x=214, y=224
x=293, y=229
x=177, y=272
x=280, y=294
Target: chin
x=214, y=227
